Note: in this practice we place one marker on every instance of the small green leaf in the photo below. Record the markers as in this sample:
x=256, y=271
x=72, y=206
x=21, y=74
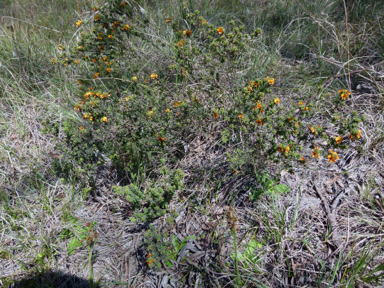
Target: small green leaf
x=279, y=189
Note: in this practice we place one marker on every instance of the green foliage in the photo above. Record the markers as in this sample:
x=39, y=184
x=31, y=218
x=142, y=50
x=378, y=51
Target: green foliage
x=78, y=234
x=142, y=118
x=155, y=197
x=248, y=257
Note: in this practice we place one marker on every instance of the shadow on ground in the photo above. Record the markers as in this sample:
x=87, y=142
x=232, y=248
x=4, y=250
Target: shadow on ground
x=52, y=280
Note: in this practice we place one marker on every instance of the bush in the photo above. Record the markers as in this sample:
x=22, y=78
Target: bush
x=144, y=118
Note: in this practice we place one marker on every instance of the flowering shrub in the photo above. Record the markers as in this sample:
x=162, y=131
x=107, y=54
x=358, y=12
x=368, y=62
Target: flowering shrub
x=143, y=117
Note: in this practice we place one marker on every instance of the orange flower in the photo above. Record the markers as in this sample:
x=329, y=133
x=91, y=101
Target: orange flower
x=260, y=122
x=187, y=32
x=53, y=61
x=338, y=139
x=220, y=30
x=80, y=83
x=77, y=61
x=315, y=153
x=301, y=103
x=108, y=69
x=81, y=128
x=287, y=149
x=125, y=27
x=306, y=108
x=97, y=17
x=271, y=81
x=124, y=3
x=105, y=119
x=78, y=23
x=259, y=106
x=169, y=20
x=85, y=116
x=161, y=139
x=344, y=94
x=94, y=60
x=277, y=101
x=215, y=115
x=281, y=149
x=167, y=110
x=181, y=42
x=177, y=104
x=60, y=47
x=96, y=75
x=302, y=159
x=333, y=156
x=110, y=36
x=95, y=8
x=154, y=76
x=105, y=58
x=358, y=136
x=255, y=84
x=116, y=23
x=312, y=130
x=241, y=115
x=91, y=118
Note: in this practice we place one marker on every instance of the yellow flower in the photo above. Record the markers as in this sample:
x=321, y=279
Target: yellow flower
x=287, y=149
x=91, y=118
x=271, y=81
x=306, y=108
x=302, y=159
x=333, y=156
x=108, y=69
x=277, y=101
x=167, y=110
x=105, y=58
x=96, y=75
x=134, y=78
x=77, y=61
x=154, y=76
x=220, y=30
x=125, y=27
x=312, y=130
x=78, y=23
x=109, y=36
x=344, y=94
x=105, y=119
x=301, y=103
x=85, y=116
x=358, y=136
x=315, y=153
x=338, y=140
x=60, y=47
x=80, y=47
x=127, y=98
x=150, y=114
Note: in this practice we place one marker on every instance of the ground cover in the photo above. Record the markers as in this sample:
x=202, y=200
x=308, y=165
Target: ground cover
x=195, y=144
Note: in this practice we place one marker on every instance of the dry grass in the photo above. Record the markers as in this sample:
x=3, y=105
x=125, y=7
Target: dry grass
x=326, y=232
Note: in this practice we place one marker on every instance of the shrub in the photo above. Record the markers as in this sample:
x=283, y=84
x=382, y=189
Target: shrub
x=144, y=118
